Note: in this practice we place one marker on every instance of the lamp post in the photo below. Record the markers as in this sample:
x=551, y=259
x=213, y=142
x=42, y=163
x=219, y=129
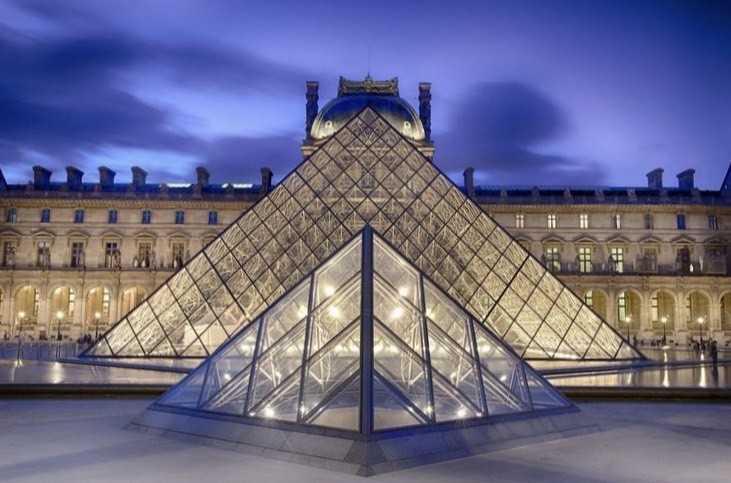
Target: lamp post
x=96, y=325
x=59, y=317
x=21, y=316
x=628, y=319
x=664, y=321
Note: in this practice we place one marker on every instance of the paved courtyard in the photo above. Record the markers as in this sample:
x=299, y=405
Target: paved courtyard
x=67, y=440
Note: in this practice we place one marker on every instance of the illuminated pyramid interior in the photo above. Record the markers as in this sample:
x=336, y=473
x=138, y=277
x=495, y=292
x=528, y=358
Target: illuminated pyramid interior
x=365, y=345
x=366, y=172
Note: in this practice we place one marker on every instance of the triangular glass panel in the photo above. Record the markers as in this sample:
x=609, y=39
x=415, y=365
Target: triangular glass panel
x=542, y=395
x=186, y=393
x=390, y=409
x=342, y=409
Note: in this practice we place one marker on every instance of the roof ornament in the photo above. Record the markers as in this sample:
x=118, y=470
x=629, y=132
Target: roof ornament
x=368, y=86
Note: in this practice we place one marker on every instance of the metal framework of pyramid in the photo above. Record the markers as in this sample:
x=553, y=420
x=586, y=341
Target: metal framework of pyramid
x=364, y=349
x=366, y=173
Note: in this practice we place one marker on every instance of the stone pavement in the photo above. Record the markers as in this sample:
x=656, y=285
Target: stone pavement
x=66, y=440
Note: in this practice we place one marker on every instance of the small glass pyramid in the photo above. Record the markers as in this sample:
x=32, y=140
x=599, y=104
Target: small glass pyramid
x=366, y=173
x=365, y=343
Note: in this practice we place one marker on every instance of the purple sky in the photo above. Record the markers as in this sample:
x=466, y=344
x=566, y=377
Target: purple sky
x=542, y=92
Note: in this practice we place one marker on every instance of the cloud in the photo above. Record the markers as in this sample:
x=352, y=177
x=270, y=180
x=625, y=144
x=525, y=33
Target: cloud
x=64, y=99
x=497, y=129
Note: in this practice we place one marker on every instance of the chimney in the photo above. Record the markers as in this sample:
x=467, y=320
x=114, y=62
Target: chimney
x=469, y=182
x=654, y=179
x=203, y=175
x=311, y=111
x=106, y=176
x=139, y=176
x=266, y=180
x=425, y=108
x=41, y=177
x=73, y=177
x=685, y=179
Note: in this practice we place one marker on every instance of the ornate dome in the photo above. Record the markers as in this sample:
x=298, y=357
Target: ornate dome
x=351, y=100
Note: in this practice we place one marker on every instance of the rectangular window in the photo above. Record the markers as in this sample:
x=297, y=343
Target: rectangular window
x=553, y=259
x=46, y=215
x=106, y=297
x=179, y=217
x=213, y=218
x=622, y=307
x=111, y=254
x=146, y=217
x=8, y=254
x=178, y=254
x=649, y=221
x=617, y=259
x=519, y=220
x=584, y=221
x=585, y=259
x=682, y=260
x=12, y=215
x=143, y=255
x=77, y=254
x=79, y=216
x=552, y=221
x=589, y=299
x=648, y=261
x=43, y=254
x=712, y=222
x=112, y=217
x=617, y=221
x=681, y=221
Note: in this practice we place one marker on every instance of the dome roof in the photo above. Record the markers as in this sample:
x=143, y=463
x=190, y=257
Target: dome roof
x=342, y=109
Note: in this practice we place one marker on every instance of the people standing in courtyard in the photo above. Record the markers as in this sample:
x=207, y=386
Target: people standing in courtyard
x=714, y=352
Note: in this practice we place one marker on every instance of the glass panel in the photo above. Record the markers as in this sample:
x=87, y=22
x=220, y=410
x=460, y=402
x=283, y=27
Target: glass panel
x=343, y=409
x=401, y=319
x=542, y=394
x=449, y=404
x=502, y=365
x=282, y=405
x=339, y=311
x=390, y=411
x=395, y=271
x=400, y=366
x=285, y=315
x=447, y=316
x=186, y=393
x=337, y=271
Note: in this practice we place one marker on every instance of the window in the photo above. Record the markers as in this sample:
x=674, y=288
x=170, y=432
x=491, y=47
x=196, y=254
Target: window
x=649, y=221
x=648, y=261
x=681, y=221
x=143, y=255
x=617, y=221
x=12, y=215
x=682, y=260
x=111, y=255
x=622, y=307
x=589, y=299
x=79, y=216
x=8, y=254
x=46, y=215
x=178, y=254
x=112, y=217
x=712, y=222
x=585, y=259
x=616, y=259
x=552, y=221
x=106, y=297
x=519, y=220
x=43, y=254
x=77, y=255
x=146, y=217
x=584, y=221
x=213, y=218
x=179, y=217
x=553, y=259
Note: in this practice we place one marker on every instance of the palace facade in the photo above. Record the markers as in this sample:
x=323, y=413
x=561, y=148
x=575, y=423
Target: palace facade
x=654, y=261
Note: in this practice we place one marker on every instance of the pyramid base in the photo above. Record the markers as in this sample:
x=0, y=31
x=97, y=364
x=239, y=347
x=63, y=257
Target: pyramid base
x=353, y=453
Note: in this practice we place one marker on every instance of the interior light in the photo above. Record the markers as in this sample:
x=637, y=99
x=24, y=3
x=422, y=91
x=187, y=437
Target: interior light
x=269, y=412
x=329, y=290
x=377, y=348
x=428, y=409
x=461, y=413
x=301, y=311
x=334, y=311
x=503, y=378
x=397, y=312
x=403, y=291
x=227, y=376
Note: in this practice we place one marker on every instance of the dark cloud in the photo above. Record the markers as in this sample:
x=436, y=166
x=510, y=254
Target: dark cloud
x=63, y=99
x=497, y=128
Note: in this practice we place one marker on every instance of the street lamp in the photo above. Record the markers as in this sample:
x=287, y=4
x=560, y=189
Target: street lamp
x=664, y=321
x=59, y=316
x=96, y=325
x=21, y=316
x=700, y=329
x=628, y=319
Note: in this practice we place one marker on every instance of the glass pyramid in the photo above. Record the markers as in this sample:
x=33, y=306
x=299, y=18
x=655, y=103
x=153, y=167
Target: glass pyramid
x=366, y=173
x=364, y=343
